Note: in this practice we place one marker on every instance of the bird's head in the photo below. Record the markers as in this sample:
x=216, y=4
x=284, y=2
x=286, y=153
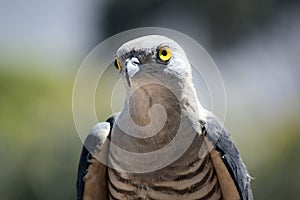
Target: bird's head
x=152, y=59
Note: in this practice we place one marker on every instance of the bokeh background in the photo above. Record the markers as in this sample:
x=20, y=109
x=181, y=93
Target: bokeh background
x=255, y=44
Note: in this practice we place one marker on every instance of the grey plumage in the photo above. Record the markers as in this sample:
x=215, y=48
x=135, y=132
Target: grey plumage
x=219, y=136
x=167, y=81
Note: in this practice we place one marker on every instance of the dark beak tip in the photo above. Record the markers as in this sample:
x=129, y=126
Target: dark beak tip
x=128, y=78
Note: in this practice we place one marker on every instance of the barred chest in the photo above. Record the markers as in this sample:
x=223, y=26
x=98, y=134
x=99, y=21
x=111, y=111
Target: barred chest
x=195, y=180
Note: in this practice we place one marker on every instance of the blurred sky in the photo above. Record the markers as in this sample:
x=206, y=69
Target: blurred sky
x=58, y=34
x=54, y=31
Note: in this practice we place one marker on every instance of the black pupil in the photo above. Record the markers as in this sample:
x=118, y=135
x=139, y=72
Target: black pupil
x=164, y=52
x=116, y=64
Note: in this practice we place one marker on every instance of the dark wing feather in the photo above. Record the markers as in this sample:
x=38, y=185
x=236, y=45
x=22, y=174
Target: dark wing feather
x=84, y=157
x=218, y=135
x=81, y=172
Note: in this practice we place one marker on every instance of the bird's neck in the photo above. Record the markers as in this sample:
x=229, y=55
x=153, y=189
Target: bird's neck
x=177, y=100
x=158, y=111
x=144, y=127
x=145, y=98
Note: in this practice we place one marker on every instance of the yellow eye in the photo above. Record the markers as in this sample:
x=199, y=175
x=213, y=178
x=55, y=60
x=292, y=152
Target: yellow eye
x=117, y=64
x=164, y=53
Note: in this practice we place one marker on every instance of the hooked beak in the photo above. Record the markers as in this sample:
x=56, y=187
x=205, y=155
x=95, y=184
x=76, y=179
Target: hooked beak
x=131, y=68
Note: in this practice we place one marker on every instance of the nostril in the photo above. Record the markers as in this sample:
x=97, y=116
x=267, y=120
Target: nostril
x=135, y=61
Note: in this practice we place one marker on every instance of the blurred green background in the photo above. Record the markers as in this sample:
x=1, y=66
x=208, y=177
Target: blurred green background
x=255, y=44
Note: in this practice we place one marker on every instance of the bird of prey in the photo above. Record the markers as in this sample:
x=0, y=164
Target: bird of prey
x=155, y=71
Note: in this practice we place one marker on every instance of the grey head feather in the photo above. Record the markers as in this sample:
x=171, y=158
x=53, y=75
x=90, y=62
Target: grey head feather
x=151, y=68
x=155, y=82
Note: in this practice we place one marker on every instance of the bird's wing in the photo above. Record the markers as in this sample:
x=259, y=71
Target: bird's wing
x=232, y=173
x=91, y=176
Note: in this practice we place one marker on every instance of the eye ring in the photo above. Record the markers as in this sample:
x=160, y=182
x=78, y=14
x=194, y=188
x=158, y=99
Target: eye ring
x=164, y=54
x=117, y=64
